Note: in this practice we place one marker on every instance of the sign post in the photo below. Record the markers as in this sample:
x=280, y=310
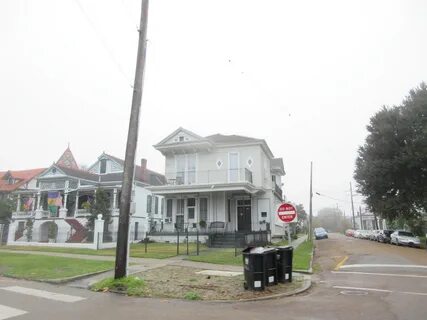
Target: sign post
x=287, y=213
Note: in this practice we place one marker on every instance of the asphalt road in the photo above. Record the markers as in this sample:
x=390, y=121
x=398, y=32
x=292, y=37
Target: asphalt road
x=359, y=279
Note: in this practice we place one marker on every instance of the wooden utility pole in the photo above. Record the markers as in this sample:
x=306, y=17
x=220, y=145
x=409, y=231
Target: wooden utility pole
x=132, y=140
x=352, y=208
x=310, y=220
x=360, y=214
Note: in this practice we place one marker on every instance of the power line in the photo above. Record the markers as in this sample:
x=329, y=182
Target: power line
x=104, y=43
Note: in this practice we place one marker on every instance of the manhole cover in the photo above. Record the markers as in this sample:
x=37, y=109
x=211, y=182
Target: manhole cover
x=354, y=293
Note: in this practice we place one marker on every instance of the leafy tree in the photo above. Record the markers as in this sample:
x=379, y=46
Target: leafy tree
x=391, y=168
x=6, y=209
x=100, y=205
x=302, y=216
x=331, y=219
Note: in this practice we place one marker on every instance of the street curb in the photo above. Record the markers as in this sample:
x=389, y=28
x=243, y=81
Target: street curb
x=69, y=279
x=60, y=280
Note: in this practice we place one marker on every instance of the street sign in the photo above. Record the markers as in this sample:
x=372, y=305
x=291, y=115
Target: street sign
x=287, y=212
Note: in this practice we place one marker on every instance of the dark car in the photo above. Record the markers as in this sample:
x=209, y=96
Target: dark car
x=320, y=233
x=384, y=236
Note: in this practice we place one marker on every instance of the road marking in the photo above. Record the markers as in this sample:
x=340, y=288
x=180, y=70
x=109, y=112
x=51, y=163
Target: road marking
x=8, y=312
x=363, y=289
x=338, y=266
x=381, y=290
x=44, y=294
x=347, y=266
x=381, y=274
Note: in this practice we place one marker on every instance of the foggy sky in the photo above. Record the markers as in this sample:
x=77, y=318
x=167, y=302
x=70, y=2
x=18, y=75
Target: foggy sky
x=304, y=75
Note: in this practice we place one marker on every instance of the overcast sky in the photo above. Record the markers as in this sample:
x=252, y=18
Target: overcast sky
x=304, y=75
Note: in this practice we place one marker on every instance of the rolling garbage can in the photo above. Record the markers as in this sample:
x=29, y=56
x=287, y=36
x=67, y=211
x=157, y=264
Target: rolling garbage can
x=259, y=267
x=284, y=263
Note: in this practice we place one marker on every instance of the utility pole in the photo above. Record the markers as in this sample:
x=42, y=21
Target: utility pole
x=132, y=140
x=360, y=214
x=352, y=208
x=310, y=220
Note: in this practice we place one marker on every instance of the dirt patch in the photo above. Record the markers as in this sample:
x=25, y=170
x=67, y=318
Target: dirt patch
x=184, y=282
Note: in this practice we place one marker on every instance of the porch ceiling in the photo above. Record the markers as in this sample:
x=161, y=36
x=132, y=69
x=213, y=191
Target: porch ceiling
x=176, y=189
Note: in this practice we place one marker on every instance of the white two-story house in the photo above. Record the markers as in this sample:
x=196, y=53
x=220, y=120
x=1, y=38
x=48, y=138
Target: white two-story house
x=220, y=178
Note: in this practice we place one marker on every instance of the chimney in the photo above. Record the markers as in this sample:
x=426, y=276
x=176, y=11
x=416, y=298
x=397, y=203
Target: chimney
x=143, y=164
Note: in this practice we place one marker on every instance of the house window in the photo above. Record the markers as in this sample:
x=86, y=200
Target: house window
x=273, y=178
x=233, y=165
x=103, y=166
x=203, y=209
x=181, y=139
x=162, y=206
x=149, y=203
x=169, y=204
x=180, y=206
x=156, y=205
x=10, y=181
x=191, y=207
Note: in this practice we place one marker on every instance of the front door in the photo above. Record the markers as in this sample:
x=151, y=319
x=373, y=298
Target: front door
x=244, y=218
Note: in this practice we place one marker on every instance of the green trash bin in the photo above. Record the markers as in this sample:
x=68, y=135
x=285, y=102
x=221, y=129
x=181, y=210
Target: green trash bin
x=259, y=268
x=284, y=263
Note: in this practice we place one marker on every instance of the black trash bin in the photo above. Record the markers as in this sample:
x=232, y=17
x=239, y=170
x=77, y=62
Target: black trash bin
x=259, y=267
x=284, y=263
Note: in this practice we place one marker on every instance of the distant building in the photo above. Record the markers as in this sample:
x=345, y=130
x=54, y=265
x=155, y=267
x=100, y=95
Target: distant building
x=60, y=195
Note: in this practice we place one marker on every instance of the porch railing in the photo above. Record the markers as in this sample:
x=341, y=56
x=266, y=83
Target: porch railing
x=190, y=177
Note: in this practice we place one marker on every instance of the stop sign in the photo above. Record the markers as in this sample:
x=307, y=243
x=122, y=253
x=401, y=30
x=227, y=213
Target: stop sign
x=287, y=212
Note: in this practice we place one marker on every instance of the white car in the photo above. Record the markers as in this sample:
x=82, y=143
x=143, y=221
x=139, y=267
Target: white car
x=406, y=238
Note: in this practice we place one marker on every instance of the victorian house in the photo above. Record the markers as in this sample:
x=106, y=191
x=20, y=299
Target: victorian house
x=60, y=201
x=227, y=182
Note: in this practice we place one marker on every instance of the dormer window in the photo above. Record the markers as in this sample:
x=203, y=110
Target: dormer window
x=103, y=166
x=181, y=139
x=11, y=180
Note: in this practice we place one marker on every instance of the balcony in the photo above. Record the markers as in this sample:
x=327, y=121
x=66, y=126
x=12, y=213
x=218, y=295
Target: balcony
x=278, y=191
x=23, y=214
x=201, y=177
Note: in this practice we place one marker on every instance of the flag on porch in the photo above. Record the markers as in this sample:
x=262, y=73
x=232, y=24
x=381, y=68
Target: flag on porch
x=54, y=200
x=28, y=203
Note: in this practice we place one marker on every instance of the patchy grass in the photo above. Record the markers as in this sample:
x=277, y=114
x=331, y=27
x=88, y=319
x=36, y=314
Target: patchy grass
x=192, y=296
x=302, y=256
x=137, y=250
x=35, y=267
x=423, y=242
x=132, y=286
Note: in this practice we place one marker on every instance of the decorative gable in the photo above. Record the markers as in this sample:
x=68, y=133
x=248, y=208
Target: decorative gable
x=53, y=171
x=67, y=160
x=106, y=164
x=180, y=135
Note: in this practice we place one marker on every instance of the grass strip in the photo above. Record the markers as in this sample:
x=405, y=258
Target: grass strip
x=35, y=267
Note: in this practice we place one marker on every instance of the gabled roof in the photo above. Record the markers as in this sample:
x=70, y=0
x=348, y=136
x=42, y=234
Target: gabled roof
x=21, y=177
x=67, y=160
x=221, y=138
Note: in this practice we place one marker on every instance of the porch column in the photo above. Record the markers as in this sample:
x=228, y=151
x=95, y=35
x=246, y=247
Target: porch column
x=77, y=203
x=33, y=204
x=64, y=205
x=115, y=198
x=38, y=200
x=18, y=203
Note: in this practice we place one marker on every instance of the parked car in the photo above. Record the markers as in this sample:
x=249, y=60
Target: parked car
x=349, y=232
x=320, y=233
x=373, y=235
x=356, y=233
x=384, y=236
x=363, y=234
x=406, y=238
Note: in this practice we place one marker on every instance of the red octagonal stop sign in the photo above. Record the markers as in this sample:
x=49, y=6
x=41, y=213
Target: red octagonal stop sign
x=287, y=212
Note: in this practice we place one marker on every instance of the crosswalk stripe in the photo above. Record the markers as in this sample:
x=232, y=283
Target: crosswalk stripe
x=44, y=294
x=8, y=312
